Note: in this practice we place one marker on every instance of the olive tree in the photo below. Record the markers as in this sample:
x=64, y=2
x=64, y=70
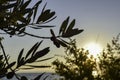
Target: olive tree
x=76, y=64
x=16, y=16
x=109, y=64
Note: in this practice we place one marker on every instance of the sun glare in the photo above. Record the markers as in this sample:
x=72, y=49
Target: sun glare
x=93, y=48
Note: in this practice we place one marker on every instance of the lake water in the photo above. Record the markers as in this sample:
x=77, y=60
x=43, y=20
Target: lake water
x=31, y=76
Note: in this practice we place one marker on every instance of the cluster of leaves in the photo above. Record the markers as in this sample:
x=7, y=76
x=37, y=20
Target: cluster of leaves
x=77, y=65
x=15, y=17
x=32, y=56
x=110, y=61
x=66, y=31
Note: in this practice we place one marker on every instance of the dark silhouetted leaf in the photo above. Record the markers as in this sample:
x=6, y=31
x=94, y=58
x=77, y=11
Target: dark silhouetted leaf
x=46, y=77
x=25, y=4
x=42, y=66
x=10, y=75
x=37, y=55
x=39, y=76
x=50, y=20
x=52, y=32
x=29, y=15
x=70, y=27
x=40, y=26
x=22, y=62
x=44, y=26
x=19, y=5
x=36, y=47
x=44, y=7
x=23, y=78
x=39, y=18
x=36, y=27
x=29, y=52
x=11, y=65
x=32, y=59
x=44, y=16
x=64, y=26
x=20, y=56
x=49, y=17
x=26, y=11
x=36, y=9
x=72, y=33
x=42, y=52
x=32, y=49
x=51, y=14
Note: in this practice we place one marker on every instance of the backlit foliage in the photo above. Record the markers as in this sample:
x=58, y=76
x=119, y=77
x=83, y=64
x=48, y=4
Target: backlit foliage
x=110, y=61
x=77, y=64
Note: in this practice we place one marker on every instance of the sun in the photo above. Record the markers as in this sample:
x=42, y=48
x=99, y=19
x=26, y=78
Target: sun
x=93, y=48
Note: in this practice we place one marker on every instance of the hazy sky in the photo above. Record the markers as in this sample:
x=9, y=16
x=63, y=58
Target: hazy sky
x=97, y=17
x=100, y=20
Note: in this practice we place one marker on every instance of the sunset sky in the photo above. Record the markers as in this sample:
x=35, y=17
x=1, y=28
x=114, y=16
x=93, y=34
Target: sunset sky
x=100, y=20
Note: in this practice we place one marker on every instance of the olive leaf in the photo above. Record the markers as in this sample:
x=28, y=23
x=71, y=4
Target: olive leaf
x=20, y=57
x=36, y=9
x=41, y=66
x=68, y=31
x=25, y=4
x=37, y=55
x=33, y=49
x=10, y=65
x=39, y=76
x=46, y=16
x=64, y=26
x=23, y=78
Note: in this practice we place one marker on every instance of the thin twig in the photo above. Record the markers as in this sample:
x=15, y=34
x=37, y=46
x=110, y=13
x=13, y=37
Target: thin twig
x=38, y=36
x=5, y=56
